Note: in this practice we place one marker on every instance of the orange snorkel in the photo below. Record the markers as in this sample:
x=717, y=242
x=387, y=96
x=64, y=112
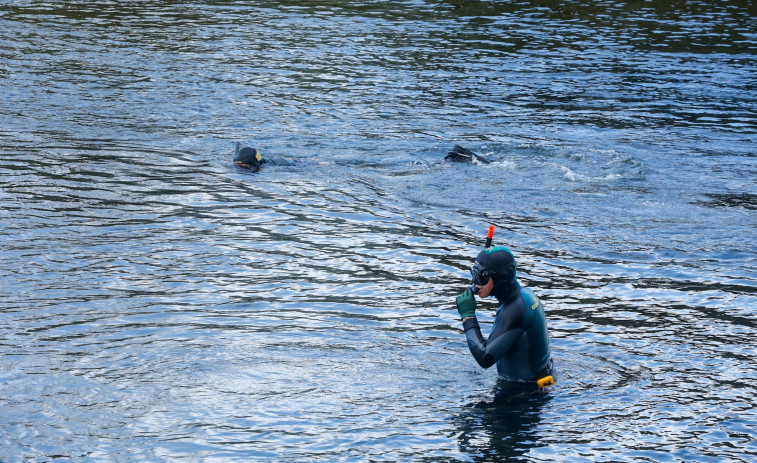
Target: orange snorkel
x=474, y=286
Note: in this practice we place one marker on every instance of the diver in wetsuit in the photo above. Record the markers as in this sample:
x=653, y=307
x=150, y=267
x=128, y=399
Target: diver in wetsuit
x=251, y=158
x=519, y=341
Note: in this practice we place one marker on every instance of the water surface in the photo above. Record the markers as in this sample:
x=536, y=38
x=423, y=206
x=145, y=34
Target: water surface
x=159, y=304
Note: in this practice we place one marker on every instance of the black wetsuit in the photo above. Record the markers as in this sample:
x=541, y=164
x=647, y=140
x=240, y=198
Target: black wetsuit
x=518, y=343
x=251, y=159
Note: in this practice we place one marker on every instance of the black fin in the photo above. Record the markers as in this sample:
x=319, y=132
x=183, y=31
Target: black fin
x=460, y=154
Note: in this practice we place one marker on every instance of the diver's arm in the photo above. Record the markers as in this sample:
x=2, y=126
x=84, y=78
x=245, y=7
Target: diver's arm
x=278, y=161
x=487, y=352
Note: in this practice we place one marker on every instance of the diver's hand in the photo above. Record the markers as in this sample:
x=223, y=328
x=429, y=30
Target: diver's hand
x=466, y=304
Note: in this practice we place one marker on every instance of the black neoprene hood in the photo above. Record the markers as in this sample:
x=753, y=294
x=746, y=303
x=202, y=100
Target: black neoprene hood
x=247, y=156
x=499, y=261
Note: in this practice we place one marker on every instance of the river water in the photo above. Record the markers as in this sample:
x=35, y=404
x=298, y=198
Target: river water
x=159, y=304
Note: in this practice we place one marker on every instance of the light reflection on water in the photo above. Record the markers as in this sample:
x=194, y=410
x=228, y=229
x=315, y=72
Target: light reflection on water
x=160, y=304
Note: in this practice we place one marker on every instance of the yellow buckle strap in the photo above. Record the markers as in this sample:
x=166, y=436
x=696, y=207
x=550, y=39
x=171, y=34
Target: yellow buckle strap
x=546, y=381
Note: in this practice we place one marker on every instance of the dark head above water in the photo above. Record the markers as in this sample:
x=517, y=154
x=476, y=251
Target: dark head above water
x=248, y=158
x=460, y=154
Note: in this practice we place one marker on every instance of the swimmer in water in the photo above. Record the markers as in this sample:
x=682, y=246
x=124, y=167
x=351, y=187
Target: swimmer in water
x=519, y=341
x=250, y=158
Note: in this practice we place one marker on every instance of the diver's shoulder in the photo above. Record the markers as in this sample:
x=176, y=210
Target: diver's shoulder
x=529, y=297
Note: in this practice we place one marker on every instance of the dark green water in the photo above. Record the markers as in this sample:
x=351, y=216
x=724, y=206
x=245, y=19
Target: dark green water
x=159, y=304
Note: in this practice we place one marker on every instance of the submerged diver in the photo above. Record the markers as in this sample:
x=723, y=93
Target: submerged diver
x=250, y=158
x=519, y=341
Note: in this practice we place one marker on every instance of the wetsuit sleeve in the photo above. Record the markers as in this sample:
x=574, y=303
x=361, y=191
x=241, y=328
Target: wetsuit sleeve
x=506, y=332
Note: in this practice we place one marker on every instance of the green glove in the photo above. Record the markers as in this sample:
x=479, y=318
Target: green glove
x=466, y=304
